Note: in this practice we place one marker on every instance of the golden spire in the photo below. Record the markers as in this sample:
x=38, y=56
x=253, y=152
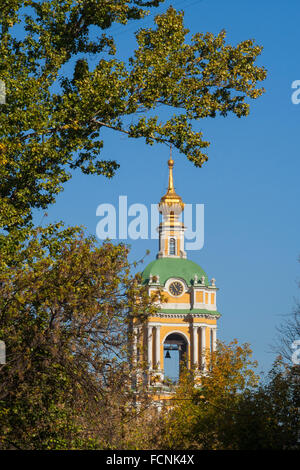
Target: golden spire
x=171, y=198
x=171, y=182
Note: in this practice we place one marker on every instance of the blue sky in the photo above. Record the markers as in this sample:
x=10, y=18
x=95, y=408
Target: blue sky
x=250, y=185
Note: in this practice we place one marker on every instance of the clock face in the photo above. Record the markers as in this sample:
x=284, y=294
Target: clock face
x=176, y=288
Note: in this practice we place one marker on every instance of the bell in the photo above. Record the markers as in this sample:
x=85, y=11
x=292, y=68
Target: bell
x=167, y=356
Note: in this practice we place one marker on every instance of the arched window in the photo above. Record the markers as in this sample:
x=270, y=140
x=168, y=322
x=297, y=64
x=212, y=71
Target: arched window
x=175, y=359
x=172, y=246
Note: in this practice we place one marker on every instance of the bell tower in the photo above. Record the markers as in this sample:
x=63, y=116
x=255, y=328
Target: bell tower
x=185, y=325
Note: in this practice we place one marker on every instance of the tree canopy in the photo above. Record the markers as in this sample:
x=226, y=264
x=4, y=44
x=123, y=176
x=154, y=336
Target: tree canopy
x=65, y=309
x=232, y=408
x=57, y=103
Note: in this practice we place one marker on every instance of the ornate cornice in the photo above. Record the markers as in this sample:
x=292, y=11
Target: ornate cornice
x=187, y=315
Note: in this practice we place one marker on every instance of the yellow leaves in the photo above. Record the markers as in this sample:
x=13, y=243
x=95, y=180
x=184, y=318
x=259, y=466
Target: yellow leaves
x=198, y=410
x=3, y=160
x=74, y=125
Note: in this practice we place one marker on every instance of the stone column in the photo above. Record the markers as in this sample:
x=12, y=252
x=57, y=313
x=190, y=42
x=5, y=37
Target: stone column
x=203, y=347
x=214, y=338
x=195, y=346
x=134, y=345
x=2, y=352
x=157, y=344
x=150, y=346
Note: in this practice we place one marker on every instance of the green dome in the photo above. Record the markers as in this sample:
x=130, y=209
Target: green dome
x=174, y=267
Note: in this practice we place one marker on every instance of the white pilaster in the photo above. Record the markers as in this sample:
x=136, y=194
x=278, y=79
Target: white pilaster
x=203, y=347
x=157, y=344
x=134, y=340
x=214, y=338
x=195, y=345
x=150, y=346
